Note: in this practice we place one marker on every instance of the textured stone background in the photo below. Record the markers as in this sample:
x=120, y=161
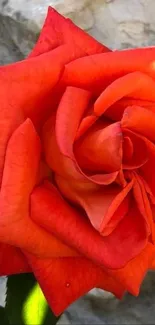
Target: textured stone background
x=118, y=24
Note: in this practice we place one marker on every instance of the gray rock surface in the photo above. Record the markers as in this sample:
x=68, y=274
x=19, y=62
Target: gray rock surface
x=117, y=23
x=3, y=281
x=9, y=52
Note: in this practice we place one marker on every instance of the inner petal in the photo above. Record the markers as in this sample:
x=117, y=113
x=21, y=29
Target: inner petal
x=139, y=120
x=136, y=85
x=135, y=153
x=100, y=149
x=105, y=206
x=115, y=111
x=128, y=149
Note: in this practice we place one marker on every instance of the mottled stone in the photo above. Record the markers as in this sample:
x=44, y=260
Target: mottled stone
x=3, y=281
x=9, y=52
x=117, y=23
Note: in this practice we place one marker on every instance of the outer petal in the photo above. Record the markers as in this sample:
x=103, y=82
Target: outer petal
x=126, y=241
x=67, y=42
x=36, y=77
x=152, y=265
x=78, y=277
x=58, y=30
x=97, y=71
x=19, y=175
x=19, y=178
x=10, y=118
x=12, y=261
x=132, y=275
x=29, y=75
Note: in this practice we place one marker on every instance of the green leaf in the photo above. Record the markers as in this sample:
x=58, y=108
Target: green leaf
x=25, y=302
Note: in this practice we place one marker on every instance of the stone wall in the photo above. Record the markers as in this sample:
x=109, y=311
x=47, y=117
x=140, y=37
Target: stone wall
x=117, y=23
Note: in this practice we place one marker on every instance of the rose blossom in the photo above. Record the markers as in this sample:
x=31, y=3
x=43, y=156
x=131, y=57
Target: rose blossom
x=77, y=165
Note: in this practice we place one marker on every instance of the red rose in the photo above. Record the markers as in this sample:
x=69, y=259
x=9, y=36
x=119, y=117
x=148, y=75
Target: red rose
x=77, y=157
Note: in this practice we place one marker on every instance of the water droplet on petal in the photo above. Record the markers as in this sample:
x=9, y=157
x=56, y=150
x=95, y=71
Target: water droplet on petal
x=67, y=284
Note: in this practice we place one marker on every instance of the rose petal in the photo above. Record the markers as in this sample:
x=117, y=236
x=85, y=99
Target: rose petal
x=100, y=150
x=148, y=171
x=78, y=277
x=10, y=118
x=132, y=275
x=152, y=263
x=36, y=76
x=115, y=112
x=85, y=124
x=136, y=84
x=44, y=172
x=55, y=159
x=28, y=236
x=152, y=266
x=126, y=241
x=140, y=120
x=137, y=153
x=19, y=175
x=68, y=42
x=12, y=261
x=71, y=108
x=63, y=165
x=97, y=71
x=128, y=150
x=19, y=178
x=58, y=30
x=105, y=206
x=70, y=111
x=29, y=75
x=143, y=203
